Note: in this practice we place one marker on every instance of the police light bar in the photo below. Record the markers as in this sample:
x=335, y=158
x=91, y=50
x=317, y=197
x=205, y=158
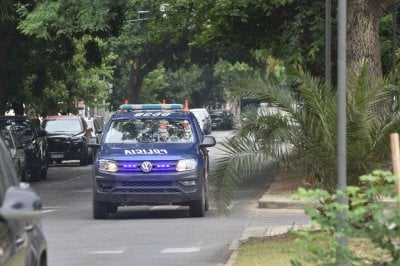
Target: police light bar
x=173, y=106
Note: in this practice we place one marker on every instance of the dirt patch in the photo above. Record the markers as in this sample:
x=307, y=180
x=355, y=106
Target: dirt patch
x=286, y=182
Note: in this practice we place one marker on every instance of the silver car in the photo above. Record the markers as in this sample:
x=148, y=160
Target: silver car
x=204, y=119
x=22, y=241
x=17, y=153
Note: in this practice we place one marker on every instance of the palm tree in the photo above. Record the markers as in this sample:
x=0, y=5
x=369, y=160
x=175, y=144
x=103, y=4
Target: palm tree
x=303, y=133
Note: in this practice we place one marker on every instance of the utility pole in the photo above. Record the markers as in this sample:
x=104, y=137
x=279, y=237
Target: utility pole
x=342, y=130
x=394, y=31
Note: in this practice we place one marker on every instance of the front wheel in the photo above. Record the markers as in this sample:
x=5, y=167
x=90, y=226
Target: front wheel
x=43, y=174
x=36, y=172
x=84, y=161
x=198, y=207
x=100, y=210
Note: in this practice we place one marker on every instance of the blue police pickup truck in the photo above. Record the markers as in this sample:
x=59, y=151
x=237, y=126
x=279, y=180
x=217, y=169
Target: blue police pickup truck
x=151, y=154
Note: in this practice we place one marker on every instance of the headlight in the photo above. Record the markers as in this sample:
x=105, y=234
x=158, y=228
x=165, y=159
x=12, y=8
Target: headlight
x=108, y=166
x=77, y=139
x=185, y=165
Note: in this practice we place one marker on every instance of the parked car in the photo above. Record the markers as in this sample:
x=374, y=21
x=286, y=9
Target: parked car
x=67, y=138
x=222, y=119
x=22, y=241
x=204, y=119
x=17, y=153
x=28, y=132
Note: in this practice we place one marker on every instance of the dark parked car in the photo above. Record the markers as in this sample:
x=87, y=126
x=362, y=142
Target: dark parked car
x=67, y=137
x=21, y=239
x=28, y=132
x=17, y=153
x=221, y=119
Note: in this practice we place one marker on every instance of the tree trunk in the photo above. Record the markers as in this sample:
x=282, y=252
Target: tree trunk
x=135, y=81
x=363, y=44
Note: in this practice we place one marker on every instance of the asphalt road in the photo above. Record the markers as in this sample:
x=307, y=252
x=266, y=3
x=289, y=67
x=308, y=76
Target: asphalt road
x=158, y=235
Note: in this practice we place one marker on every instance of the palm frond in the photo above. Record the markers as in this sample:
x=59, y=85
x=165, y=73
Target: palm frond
x=241, y=156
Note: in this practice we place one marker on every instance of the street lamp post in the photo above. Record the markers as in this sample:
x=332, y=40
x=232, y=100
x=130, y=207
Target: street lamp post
x=394, y=29
x=342, y=130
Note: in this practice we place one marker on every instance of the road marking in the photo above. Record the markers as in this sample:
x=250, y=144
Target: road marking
x=159, y=208
x=84, y=190
x=180, y=250
x=107, y=252
x=48, y=211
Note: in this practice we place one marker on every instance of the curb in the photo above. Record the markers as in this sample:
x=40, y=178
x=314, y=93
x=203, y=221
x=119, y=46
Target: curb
x=281, y=202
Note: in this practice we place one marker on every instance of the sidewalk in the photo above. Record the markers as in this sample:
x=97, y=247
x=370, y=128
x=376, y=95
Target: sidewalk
x=276, y=197
x=277, y=200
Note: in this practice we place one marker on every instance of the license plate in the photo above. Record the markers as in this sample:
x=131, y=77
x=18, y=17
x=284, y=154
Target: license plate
x=56, y=156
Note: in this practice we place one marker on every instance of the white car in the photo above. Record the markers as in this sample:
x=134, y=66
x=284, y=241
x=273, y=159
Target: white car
x=204, y=119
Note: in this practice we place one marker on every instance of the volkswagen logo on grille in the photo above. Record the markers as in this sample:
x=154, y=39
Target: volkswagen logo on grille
x=146, y=166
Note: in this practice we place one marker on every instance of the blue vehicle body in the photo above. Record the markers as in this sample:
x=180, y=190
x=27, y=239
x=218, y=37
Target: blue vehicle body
x=151, y=157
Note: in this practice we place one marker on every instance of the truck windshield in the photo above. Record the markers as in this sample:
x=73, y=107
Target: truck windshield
x=152, y=130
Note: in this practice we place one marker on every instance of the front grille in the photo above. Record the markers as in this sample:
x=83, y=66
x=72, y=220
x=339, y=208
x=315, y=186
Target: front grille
x=157, y=166
x=146, y=184
x=58, y=145
x=146, y=190
x=146, y=187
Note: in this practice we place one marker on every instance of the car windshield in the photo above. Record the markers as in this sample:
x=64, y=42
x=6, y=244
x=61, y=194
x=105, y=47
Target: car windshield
x=63, y=126
x=199, y=116
x=216, y=115
x=17, y=127
x=150, y=131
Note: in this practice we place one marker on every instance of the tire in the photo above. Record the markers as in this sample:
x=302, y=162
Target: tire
x=84, y=161
x=36, y=172
x=100, y=210
x=23, y=176
x=43, y=174
x=198, y=207
x=43, y=260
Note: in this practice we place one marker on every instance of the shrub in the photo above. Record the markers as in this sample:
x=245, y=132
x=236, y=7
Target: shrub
x=373, y=213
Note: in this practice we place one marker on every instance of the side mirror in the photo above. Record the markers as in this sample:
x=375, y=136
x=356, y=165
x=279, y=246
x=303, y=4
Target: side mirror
x=20, y=204
x=208, y=141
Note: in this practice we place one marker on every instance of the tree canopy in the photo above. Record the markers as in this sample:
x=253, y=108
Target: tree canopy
x=66, y=50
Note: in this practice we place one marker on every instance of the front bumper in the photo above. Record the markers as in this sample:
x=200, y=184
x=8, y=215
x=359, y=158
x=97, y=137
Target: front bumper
x=148, y=189
x=66, y=150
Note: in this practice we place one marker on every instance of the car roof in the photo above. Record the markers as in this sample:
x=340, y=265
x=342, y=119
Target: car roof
x=204, y=110
x=62, y=117
x=155, y=111
x=172, y=114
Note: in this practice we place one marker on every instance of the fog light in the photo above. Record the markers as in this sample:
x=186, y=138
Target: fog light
x=188, y=183
x=106, y=184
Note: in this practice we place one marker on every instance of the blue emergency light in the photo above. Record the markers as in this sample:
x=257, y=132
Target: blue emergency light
x=156, y=106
